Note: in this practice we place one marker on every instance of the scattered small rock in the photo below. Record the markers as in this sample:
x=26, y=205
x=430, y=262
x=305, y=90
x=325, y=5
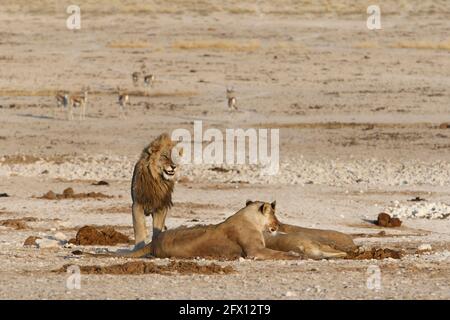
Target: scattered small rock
x=31, y=241
x=385, y=220
x=290, y=294
x=47, y=243
x=417, y=199
x=4, y=195
x=60, y=236
x=444, y=125
x=101, y=183
x=68, y=193
x=49, y=195
x=424, y=247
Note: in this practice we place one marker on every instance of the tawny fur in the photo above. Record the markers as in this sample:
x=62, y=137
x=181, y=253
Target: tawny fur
x=151, y=188
x=302, y=244
x=335, y=239
x=148, y=187
x=240, y=235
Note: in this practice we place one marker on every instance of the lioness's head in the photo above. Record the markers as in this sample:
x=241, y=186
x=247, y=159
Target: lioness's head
x=267, y=211
x=164, y=157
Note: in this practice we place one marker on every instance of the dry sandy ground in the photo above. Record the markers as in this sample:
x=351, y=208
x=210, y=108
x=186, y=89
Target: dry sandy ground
x=359, y=113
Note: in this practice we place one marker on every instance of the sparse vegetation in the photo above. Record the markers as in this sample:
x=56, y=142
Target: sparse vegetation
x=433, y=45
x=128, y=44
x=366, y=45
x=226, y=45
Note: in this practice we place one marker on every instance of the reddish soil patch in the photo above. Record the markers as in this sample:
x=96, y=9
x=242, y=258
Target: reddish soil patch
x=70, y=194
x=385, y=220
x=18, y=224
x=104, y=236
x=444, y=126
x=145, y=267
x=31, y=241
x=374, y=253
x=383, y=234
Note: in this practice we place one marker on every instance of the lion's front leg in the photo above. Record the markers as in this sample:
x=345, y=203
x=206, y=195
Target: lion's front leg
x=139, y=225
x=159, y=221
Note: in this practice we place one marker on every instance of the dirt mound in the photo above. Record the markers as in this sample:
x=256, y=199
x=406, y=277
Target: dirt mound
x=70, y=194
x=145, y=267
x=374, y=253
x=385, y=220
x=104, y=236
x=18, y=224
x=31, y=241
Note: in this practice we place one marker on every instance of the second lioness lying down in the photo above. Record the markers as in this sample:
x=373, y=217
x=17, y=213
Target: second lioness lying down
x=251, y=232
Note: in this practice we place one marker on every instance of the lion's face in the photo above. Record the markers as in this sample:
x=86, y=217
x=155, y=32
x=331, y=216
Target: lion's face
x=164, y=156
x=267, y=211
x=167, y=167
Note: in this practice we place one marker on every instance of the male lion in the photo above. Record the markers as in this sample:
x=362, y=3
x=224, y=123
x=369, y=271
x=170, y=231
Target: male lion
x=240, y=235
x=152, y=186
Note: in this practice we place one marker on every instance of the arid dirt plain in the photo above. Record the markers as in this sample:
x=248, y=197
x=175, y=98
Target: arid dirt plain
x=362, y=117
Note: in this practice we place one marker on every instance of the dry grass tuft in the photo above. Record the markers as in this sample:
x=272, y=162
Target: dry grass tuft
x=162, y=94
x=366, y=45
x=27, y=93
x=128, y=44
x=225, y=45
x=433, y=45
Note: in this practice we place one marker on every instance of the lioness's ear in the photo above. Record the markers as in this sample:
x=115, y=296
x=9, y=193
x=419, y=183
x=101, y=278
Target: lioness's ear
x=265, y=208
x=273, y=204
x=261, y=208
x=248, y=202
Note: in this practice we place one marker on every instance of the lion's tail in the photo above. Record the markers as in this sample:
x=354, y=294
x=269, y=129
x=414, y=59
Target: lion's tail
x=139, y=253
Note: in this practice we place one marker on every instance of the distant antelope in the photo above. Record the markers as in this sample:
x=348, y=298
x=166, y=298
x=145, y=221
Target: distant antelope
x=135, y=77
x=122, y=100
x=231, y=97
x=79, y=101
x=62, y=101
x=149, y=80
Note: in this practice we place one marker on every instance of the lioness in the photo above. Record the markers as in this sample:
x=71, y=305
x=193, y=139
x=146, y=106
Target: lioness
x=152, y=186
x=334, y=239
x=240, y=235
x=302, y=244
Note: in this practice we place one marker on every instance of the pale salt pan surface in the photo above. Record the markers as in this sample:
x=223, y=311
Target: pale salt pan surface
x=427, y=210
x=295, y=170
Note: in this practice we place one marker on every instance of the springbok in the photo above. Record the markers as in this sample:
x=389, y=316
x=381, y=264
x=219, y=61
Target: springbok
x=62, y=101
x=231, y=97
x=135, y=77
x=149, y=80
x=79, y=101
x=122, y=100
